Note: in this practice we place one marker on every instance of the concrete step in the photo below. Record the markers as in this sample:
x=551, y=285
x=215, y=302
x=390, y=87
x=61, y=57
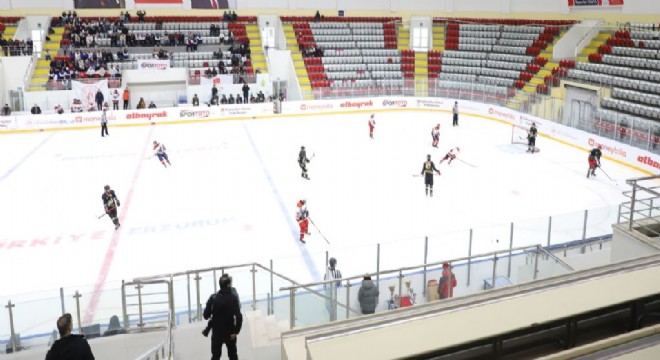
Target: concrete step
x=58, y=30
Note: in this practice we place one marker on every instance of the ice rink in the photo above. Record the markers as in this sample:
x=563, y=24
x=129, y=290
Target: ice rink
x=230, y=196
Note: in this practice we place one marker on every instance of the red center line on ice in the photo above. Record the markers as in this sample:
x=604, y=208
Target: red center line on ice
x=110, y=253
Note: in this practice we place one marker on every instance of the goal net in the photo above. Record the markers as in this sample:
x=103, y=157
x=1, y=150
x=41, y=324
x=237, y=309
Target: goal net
x=519, y=135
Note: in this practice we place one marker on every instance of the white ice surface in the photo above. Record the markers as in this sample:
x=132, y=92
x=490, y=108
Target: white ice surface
x=231, y=192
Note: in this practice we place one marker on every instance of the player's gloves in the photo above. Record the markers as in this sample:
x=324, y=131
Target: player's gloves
x=118, y=203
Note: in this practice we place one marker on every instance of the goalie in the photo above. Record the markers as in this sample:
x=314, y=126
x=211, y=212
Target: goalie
x=594, y=160
x=531, y=138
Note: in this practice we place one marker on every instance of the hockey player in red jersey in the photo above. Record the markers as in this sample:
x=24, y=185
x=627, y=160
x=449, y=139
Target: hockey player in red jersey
x=451, y=155
x=435, y=134
x=372, y=125
x=594, y=160
x=302, y=216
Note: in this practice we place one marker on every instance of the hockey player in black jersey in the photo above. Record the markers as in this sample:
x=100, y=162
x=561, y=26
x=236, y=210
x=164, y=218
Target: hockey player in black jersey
x=594, y=160
x=303, y=161
x=110, y=204
x=427, y=170
x=531, y=138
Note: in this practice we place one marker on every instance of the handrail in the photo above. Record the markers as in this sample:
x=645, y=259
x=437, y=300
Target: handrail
x=408, y=268
x=434, y=308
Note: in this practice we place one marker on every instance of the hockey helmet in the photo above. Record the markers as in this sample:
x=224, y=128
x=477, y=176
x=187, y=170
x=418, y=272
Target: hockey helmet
x=372, y=115
x=155, y=142
x=458, y=149
x=107, y=187
x=332, y=262
x=428, y=157
x=302, y=148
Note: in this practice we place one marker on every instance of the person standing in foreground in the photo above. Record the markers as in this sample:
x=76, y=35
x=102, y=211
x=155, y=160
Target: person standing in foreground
x=302, y=217
x=427, y=170
x=111, y=203
x=594, y=160
x=447, y=282
x=368, y=296
x=372, y=125
x=160, y=152
x=104, y=123
x=332, y=273
x=454, y=112
x=227, y=320
x=302, y=162
x=69, y=346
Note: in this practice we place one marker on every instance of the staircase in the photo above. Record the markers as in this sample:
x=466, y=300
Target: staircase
x=421, y=73
x=438, y=37
x=256, y=49
x=8, y=34
x=592, y=47
x=42, y=69
x=299, y=64
x=403, y=38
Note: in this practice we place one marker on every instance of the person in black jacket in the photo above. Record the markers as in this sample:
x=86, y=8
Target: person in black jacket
x=69, y=346
x=36, y=110
x=99, y=100
x=246, y=91
x=227, y=320
x=110, y=204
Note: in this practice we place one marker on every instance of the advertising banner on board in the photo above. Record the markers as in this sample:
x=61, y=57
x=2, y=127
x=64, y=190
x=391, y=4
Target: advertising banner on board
x=578, y=3
x=153, y=65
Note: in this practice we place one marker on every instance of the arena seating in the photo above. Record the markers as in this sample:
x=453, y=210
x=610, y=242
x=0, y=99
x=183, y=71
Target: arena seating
x=498, y=52
x=352, y=54
x=8, y=26
x=629, y=62
x=168, y=32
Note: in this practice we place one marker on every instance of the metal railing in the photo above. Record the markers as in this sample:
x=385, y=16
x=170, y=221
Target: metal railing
x=643, y=208
x=164, y=350
x=534, y=255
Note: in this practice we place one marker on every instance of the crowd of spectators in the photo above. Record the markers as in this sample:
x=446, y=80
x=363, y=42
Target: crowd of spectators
x=239, y=62
x=82, y=64
x=16, y=47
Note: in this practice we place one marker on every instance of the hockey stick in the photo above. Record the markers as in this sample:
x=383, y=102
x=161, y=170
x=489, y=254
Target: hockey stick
x=466, y=163
x=317, y=229
x=102, y=215
x=601, y=169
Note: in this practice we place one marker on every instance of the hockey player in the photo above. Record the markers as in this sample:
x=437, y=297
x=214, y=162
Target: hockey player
x=110, y=204
x=302, y=217
x=303, y=161
x=160, y=152
x=451, y=155
x=372, y=125
x=531, y=138
x=594, y=160
x=435, y=134
x=427, y=170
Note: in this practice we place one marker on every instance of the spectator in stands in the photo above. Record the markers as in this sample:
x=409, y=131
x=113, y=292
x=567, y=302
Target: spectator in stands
x=47, y=55
x=317, y=16
x=226, y=17
x=127, y=17
x=253, y=99
x=69, y=346
x=231, y=99
x=239, y=99
x=223, y=101
x=76, y=106
x=447, y=282
x=234, y=17
x=214, y=91
x=195, y=100
x=280, y=95
x=152, y=105
x=246, y=91
x=368, y=296
x=99, y=99
x=141, y=14
x=36, y=110
x=58, y=109
x=115, y=100
x=227, y=320
x=6, y=110
x=4, y=45
x=126, y=96
x=141, y=104
x=261, y=97
x=222, y=38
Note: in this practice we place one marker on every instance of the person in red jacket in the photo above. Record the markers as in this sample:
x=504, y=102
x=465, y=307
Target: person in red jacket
x=447, y=283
